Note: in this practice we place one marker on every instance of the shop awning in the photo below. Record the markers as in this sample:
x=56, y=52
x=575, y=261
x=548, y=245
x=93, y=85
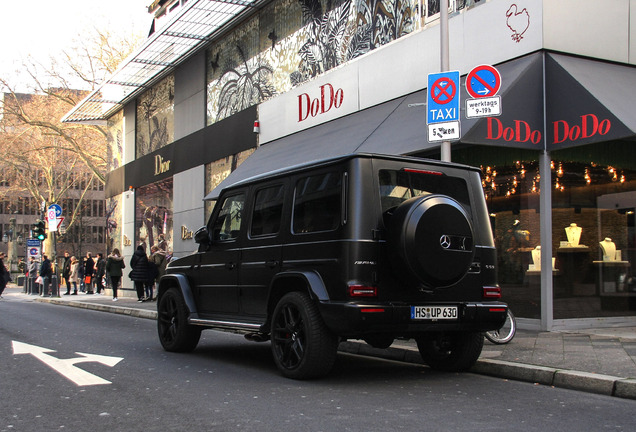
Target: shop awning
x=588, y=101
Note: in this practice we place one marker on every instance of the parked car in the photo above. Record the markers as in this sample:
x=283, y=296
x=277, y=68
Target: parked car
x=366, y=246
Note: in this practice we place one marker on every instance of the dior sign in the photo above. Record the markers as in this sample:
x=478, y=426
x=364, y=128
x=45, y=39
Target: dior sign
x=329, y=98
x=186, y=233
x=161, y=165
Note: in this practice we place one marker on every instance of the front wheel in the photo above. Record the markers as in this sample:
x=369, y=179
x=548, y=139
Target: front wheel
x=175, y=334
x=505, y=333
x=452, y=351
x=302, y=346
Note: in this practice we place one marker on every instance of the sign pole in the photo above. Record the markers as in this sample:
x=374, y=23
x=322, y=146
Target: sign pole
x=444, y=62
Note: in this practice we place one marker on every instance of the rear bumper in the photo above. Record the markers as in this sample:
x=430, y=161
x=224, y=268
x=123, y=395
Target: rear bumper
x=356, y=319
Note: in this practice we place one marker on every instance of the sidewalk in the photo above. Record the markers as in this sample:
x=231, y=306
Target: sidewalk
x=597, y=360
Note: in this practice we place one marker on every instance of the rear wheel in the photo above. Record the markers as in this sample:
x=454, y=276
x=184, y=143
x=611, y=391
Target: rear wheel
x=302, y=346
x=452, y=351
x=175, y=334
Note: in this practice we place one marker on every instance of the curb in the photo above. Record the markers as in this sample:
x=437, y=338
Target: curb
x=122, y=310
x=569, y=379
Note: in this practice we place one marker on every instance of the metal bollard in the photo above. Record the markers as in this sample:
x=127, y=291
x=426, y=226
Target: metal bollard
x=54, y=288
x=32, y=286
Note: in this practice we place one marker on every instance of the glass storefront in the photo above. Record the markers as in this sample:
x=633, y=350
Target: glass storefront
x=510, y=179
x=593, y=204
x=153, y=218
x=593, y=227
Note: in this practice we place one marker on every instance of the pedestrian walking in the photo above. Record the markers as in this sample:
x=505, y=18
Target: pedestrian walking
x=5, y=276
x=114, y=266
x=100, y=270
x=140, y=271
x=66, y=272
x=74, y=274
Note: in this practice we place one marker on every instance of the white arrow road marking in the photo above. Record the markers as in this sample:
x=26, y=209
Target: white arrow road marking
x=67, y=367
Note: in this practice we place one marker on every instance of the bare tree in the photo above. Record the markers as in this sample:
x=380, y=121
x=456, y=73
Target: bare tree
x=42, y=156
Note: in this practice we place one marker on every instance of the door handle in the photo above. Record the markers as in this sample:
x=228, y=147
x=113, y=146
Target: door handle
x=230, y=266
x=271, y=264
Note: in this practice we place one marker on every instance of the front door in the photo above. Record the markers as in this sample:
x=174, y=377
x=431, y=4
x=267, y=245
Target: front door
x=217, y=278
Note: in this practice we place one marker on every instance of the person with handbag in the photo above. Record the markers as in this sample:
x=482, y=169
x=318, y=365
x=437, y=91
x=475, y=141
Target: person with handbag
x=114, y=266
x=89, y=268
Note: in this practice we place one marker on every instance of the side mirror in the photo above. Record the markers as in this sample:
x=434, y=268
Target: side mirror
x=202, y=236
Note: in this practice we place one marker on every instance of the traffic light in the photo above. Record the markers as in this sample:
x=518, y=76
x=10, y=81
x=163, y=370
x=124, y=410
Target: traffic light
x=39, y=232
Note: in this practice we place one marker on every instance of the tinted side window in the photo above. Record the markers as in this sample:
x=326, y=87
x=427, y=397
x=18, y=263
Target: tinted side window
x=317, y=203
x=228, y=222
x=268, y=210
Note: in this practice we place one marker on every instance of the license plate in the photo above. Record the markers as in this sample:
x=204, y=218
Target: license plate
x=434, y=312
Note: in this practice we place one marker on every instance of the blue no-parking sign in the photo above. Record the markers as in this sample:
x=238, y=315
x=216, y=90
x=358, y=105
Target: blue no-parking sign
x=443, y=97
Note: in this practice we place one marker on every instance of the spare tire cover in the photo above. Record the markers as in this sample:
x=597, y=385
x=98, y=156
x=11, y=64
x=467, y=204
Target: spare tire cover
x=431, y=240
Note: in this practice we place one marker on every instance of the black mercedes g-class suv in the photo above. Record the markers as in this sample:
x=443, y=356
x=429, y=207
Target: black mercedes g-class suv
x=365, y=246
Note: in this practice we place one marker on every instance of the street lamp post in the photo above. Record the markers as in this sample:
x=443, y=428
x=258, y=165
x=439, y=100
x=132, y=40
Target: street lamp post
x=444, y=62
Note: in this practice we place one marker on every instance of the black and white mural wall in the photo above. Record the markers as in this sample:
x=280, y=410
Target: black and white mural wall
x=292, y=41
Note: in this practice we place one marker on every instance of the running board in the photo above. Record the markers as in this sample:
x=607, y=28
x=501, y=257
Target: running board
x=237, y=327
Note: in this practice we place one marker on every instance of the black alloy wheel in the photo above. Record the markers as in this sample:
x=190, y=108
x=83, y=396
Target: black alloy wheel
x=175, y=334
x=302, y=345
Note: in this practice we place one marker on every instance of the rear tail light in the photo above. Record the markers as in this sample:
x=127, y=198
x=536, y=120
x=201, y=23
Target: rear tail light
x=492, y=292
x=362, y=291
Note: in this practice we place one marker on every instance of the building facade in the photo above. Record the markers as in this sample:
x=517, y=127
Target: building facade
x=286, y=81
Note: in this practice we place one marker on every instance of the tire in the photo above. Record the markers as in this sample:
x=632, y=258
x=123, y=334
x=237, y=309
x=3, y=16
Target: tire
x=302, y=346
x=452, y=351
x=175, y=334
x=431, y=240
x=505, y=333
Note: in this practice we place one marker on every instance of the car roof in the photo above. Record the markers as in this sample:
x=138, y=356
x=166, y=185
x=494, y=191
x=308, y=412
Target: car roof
x=335, y=160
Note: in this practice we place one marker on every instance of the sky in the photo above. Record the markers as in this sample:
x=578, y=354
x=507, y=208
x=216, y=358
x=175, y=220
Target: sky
x=43, y=28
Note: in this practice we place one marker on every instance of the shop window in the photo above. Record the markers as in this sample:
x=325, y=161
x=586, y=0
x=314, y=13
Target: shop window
x=593, y=237
x=153, y=210
x=510, y=181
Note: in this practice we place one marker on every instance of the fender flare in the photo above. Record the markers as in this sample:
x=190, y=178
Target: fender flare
x=312, y=284
x=182, y=282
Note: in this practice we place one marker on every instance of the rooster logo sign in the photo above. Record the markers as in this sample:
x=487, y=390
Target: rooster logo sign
x=517, y=21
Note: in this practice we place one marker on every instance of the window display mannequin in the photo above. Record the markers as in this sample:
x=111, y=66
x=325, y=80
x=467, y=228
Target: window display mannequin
x=536, y=257
x=609, y=249
x=574, y=234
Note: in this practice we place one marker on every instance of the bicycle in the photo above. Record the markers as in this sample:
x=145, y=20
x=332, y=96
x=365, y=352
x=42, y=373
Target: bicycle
x=505, y=333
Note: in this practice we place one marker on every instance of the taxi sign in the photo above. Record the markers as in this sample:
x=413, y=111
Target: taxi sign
x=443, y=97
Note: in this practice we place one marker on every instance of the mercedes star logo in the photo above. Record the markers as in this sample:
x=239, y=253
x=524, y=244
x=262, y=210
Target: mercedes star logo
x=445, y=241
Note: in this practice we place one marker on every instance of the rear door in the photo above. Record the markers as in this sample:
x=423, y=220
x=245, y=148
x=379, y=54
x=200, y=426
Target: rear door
x=262, y=249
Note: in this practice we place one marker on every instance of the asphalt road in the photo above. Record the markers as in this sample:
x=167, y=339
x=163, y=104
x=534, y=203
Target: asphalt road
x=229, y=384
